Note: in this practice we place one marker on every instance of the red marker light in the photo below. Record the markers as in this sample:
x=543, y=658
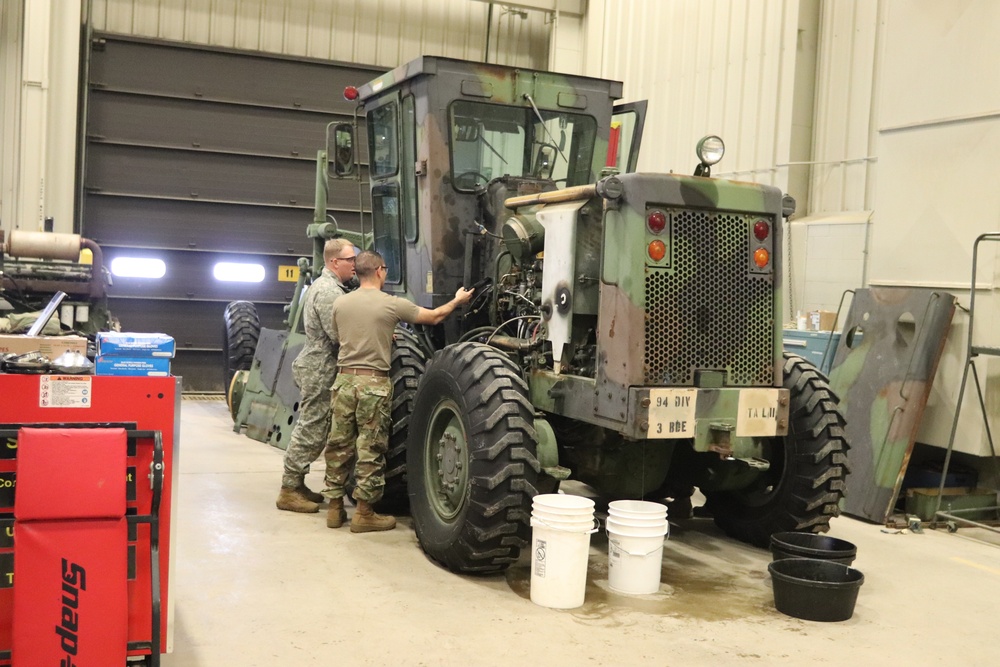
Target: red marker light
x=761, y=257
x=761, y=230
x=657, y=250
x=656, y=221
x=350, y=93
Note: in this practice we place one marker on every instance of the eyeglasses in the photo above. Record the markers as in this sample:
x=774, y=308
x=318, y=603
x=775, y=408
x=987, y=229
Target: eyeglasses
x=347, y=259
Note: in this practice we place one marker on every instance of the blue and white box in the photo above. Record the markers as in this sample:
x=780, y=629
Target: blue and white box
x=133, y=366
x=134, y=345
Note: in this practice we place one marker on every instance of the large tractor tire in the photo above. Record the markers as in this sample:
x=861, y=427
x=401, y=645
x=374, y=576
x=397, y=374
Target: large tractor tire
x=408, y=362
x=805, y=483
x=471, y=460
x=240, y=331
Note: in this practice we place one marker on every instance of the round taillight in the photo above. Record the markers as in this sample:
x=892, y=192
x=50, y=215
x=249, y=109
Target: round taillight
x=761, y=257
x=761, y=230
x=350, y=93
x=656, y=221
x=657, y=250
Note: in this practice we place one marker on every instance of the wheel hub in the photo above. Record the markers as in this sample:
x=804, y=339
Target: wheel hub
x=447, y=468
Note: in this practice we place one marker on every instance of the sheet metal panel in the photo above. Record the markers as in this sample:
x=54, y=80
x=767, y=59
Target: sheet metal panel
x=708, y=67
x=386, y=33
x=844, y=99
x=122, y=117
x=190, y=276
x=144, y=222
x=164, y=316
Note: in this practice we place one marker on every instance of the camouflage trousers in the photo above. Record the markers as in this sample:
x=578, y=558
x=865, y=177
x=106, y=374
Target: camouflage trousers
x=311, y=430
x=359, y=435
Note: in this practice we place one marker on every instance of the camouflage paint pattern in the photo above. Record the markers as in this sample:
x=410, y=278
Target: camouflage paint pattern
x=359, y=434
x=314, y=370
x=704, y=317
x=883, y=371
x=434, y=264
x=711, y=319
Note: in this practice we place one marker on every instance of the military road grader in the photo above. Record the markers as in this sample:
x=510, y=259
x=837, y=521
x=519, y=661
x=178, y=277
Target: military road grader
x=625, y=331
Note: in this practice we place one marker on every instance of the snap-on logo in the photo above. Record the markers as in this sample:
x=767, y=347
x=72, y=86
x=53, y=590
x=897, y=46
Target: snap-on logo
x=74, y=581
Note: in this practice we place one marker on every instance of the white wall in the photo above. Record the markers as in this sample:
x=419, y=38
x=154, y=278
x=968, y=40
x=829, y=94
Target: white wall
x=39, y=59
x=829, y=236
x=721, y=67
x=939, y=183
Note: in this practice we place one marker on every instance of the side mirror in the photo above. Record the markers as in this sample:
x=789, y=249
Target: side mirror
x=343, y=150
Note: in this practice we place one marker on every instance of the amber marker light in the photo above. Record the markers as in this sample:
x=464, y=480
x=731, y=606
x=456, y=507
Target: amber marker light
x=350, y=93
x=761, y=230
x=657, y=250
x=656, y=221
x=761, y=257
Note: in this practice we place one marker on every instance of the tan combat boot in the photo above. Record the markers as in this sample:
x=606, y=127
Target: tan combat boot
x=309, y=494
x=292, y=500
x=365, y=520
x=336, y=516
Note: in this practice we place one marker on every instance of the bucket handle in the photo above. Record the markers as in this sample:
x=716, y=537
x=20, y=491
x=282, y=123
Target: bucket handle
x=597, y=526
x=633, y=553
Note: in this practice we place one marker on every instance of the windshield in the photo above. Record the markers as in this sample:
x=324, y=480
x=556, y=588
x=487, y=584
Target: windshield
x=489, y=140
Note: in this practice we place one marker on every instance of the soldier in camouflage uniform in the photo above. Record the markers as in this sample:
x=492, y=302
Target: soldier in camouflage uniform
x=314, y=370
x=363, y=322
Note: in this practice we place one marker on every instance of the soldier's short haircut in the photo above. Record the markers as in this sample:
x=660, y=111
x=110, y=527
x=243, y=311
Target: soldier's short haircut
x=333, y=248
x=368, y=263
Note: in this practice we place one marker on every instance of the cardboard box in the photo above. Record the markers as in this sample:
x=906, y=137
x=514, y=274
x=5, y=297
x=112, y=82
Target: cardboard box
x=50, y=346
x=135, y=345
x=141, y=366
x=822, y=320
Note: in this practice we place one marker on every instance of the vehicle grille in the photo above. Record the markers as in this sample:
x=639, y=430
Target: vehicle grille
x=707, y=311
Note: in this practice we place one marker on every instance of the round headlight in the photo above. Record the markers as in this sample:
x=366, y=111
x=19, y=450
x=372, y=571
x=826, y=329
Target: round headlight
x=710, y=149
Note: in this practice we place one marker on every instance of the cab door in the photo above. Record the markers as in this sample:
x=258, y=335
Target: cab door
x=627, y=121
x=387, y=190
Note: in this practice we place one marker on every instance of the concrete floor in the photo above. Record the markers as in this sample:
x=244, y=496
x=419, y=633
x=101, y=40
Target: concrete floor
x=254, y=586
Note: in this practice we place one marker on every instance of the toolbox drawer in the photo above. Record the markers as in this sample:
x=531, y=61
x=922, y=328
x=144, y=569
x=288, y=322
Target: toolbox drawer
x=811, y=345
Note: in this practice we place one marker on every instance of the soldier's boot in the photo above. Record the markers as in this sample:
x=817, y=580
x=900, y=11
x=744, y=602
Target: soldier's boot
x=291, y=500
x=336, y=515
x=309, y=494
x=365, y=520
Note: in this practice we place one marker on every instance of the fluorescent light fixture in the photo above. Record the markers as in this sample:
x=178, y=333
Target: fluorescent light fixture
x=236, y=272
x=138, y=267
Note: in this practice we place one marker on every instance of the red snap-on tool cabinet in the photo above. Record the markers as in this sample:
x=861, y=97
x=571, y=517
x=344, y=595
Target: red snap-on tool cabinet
x=87, y=484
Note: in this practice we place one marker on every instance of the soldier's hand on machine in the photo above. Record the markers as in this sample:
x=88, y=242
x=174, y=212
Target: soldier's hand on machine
x=463, y=295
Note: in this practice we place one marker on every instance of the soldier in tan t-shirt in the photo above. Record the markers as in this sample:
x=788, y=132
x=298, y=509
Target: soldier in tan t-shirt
x=361, y=397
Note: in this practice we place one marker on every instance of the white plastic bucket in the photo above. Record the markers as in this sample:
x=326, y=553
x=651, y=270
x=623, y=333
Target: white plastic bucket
x=560, y=546
x=635, y=529
x=563, y=523
x=641, y=510
x=635, y=557
x=562, y=503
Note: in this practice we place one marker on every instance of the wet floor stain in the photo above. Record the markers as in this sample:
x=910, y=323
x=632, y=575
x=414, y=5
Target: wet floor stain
x=703, y=577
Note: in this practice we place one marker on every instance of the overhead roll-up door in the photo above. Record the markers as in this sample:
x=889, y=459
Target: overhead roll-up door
x=194, y=156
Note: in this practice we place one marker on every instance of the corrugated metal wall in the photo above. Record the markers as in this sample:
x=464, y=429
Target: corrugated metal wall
x=843, y=141
x=721, y=67
x=372, y=32
x=829, y=239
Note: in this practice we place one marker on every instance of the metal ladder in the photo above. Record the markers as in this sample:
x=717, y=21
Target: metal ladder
x=972, y=352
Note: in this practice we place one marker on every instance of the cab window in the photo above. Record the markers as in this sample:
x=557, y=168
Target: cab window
x=491, y=140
